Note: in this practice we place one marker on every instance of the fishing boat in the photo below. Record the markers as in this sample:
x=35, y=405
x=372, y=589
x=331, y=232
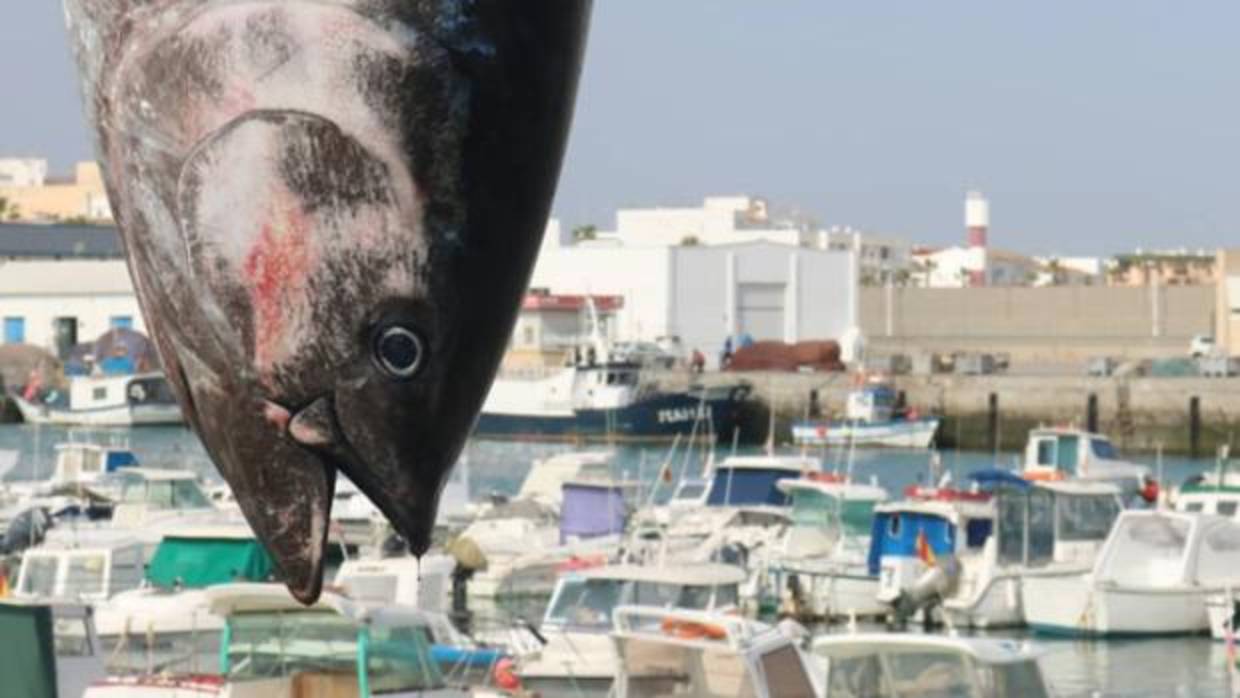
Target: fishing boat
x=666, y=652
x=271, y=645
x=819, y=568
x=916, y=544
x=127, y=400
x=1044, y=530
x=599, y=397
x=871, y=418
x=896, y=665
x=1153, y=577
x=579, y=659
x=1068, y=453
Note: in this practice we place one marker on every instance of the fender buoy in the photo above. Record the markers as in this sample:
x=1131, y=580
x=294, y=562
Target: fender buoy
x=506, y=675
x=692, y=630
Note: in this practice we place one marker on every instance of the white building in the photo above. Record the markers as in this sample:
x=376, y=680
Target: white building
x=704, y=294
x=721, y=220
x=22, y=172
x=879, y=257
x=960, y=267
x=57, y=302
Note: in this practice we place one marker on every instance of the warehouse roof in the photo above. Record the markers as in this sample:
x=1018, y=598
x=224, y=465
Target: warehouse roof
x=59, y=241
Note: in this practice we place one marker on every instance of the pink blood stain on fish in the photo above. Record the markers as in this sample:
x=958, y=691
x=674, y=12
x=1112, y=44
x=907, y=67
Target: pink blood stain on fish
x=277, y=269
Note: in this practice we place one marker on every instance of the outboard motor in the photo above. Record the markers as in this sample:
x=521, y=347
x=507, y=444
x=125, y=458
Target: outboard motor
x=26, y=530
x=927, y=590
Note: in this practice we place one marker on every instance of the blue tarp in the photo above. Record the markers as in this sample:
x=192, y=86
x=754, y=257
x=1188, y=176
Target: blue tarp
x=993, y=478
x=747, y=487
x=117, y=459
x=590, y=510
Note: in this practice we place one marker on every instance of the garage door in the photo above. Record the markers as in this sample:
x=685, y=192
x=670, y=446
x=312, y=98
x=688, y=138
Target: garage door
x=761, y=310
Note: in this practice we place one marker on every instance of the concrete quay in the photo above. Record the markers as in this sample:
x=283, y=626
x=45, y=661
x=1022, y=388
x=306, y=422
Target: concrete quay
x=1183, y=415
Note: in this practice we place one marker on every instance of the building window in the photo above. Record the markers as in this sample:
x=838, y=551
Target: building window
x=121, y=322
x=15, y=330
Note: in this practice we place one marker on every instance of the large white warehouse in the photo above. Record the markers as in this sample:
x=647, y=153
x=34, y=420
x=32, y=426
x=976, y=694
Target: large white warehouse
x=704, y=294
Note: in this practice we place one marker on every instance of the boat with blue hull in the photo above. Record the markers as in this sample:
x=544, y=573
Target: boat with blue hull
x=605, y=402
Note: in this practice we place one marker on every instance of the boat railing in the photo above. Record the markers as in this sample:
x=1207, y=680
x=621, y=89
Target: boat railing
x=683, y=625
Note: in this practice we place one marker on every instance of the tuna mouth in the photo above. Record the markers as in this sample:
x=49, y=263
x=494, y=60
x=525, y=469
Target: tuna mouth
x=312, y=426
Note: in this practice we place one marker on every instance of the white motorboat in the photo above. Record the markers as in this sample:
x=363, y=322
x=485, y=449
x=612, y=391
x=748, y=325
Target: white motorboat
x=871, y=418
x=1067, y=453
x=819, y=570
x=126, y=400
x=273, y=646
x=895, y=665
x=579, y=658
x=1051, y=529
x=666, y=652
x=1153, y=577
x=80, y=573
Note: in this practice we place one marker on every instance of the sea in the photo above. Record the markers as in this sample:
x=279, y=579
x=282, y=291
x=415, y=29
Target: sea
x=1189, y=667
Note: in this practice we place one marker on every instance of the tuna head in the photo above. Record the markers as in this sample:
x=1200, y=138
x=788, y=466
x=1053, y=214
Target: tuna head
x=330, y=210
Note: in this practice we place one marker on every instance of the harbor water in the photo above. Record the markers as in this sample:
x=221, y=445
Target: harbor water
x=1193, y=667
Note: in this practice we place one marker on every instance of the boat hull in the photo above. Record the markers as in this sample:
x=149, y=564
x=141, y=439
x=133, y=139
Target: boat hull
x=116, y=416
x=658, y=418
x=1076, y=606
x=918, y=433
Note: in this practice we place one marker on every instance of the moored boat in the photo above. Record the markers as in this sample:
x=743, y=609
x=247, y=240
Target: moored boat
x=871, y=418
x=1153, y=577
x=126, y=400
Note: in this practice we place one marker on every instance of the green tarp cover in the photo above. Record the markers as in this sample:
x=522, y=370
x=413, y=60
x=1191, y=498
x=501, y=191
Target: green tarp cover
x=28, y=658
x=201, y=562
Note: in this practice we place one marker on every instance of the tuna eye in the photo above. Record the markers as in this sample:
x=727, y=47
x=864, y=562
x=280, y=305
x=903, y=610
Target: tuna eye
x=399, y=351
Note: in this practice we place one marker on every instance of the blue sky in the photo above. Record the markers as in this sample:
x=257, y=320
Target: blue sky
x=1094, y=127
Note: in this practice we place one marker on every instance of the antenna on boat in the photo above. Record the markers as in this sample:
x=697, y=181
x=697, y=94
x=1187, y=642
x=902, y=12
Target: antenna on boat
x=1158, y=466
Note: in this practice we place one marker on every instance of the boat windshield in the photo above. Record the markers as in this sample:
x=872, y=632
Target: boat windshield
x=322, y=649
x=84, y=575
x=588, y=603
x=1147, y=550
x=928, y=672
x=1103, y=449
x=164, y=494
x=39, y=575
x=748, y=487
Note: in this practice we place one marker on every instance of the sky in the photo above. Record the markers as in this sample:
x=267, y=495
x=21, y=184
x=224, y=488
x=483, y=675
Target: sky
x=1094, y=127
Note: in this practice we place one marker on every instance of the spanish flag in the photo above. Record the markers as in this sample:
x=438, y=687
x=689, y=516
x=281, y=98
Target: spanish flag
x=4, y=584
x=924, y=551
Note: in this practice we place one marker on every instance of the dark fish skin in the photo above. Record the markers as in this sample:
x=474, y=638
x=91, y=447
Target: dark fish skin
x=330, y=209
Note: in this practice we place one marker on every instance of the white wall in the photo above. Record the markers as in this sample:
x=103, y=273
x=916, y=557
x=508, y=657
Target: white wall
x=91, y=291
x=18, y=172
x=640, y=274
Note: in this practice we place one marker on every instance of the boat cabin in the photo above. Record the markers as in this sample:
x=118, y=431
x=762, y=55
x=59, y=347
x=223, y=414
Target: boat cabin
x=827, y=510
x=871, y=404
x=584, y=600
x=1163, y=549
x=592, y=508
x=1066, y=453
x=707, y=655
x=752, y=481
x=406, y=580
x=199, y=558
x=897, y=665
x=272, y=645
x=1210, y=494
x=148, y=493
x=1043, y=523
x=85, y=463
x=87, y=574
x=908, y=537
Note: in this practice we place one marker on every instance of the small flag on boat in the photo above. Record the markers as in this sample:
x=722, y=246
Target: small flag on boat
x=924, y=551
x=4, y=584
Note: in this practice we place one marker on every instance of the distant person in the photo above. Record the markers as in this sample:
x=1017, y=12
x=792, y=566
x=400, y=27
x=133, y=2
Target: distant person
x=698, y=361
x=725, y=359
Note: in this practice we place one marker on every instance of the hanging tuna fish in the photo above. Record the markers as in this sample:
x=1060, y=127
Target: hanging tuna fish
x=330, y=209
